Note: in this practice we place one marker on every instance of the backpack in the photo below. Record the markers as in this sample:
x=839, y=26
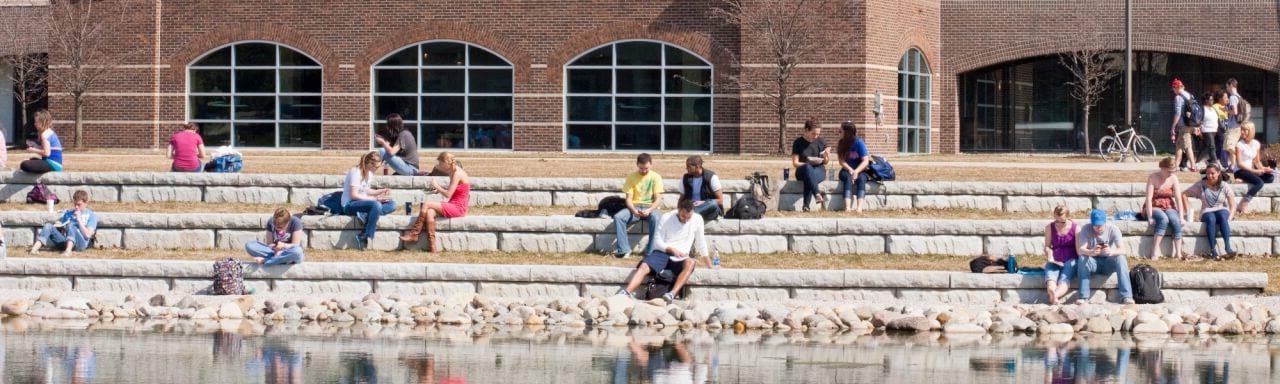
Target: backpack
x=1192, y=112
x=611, y=205
x=657, y=284
x=228, y=277
x=747, y=207
x=225, y=164
x=41, y=194
x=881, y=170
x=331, y=201
x=1146, y=282
x=1243, y=110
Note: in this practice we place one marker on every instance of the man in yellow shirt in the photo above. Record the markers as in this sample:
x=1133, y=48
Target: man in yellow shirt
x=643, y=189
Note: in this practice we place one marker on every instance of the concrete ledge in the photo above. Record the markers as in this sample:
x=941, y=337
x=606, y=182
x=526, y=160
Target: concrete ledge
x=302, y=189
x=573, y=281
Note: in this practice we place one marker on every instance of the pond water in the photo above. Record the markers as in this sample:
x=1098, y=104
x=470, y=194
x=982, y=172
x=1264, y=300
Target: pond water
x=241, y=352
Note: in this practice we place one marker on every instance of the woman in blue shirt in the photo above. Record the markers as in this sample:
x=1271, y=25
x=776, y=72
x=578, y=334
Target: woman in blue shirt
x=853, y=166
x=48, y=147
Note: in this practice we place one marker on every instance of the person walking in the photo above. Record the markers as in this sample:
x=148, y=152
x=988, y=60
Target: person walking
x=1182, y=131
x=1212, y=118
x=1231, y=133
x=809, y=157
x=458, y=196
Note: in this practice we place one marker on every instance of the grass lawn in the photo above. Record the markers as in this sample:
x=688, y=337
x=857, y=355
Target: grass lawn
x=1271, y=266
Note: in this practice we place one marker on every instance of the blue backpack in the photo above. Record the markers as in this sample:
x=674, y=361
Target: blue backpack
x=226, y=164
x=881, y=170
x=1192, y=112
x=332, y=201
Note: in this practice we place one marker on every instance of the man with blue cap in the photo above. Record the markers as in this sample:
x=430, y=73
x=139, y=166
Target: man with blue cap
x=1102, y=253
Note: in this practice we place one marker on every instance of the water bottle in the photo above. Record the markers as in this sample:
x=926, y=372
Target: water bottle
x=715, y=259
x=49, y=204
x=1012, y=263
x=786, y=174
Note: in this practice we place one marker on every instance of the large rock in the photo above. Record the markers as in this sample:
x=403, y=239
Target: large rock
x=910, y=323
x=962, y=328
x=1157, y=326
x=646, y=314
x=619, y=303
x=15, y=307
x=56, y=313
x=1273, y=326
x=230, y=310
x=1098, y=325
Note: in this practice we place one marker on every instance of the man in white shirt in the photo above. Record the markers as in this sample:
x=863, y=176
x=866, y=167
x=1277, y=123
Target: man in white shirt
x=679, y=234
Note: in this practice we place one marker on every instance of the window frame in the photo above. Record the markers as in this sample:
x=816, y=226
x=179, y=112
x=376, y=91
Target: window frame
x=913, y=65
x=231, y=93
x=466, y=94
x=662, y=96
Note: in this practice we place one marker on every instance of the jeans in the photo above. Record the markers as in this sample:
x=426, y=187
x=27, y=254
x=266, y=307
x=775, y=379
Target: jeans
x=199, y=168
x=810, y=176
x=848, y=184
x=370, y=210
x=1255, y=182
x=1103, y=266
x=1166, y=218
x=1212, y=142
x=1063, y=274
x=397, y=163
x=292, y=255
x=51, y=236
x=624, y=218
x=709, y=210
x=1215, y=222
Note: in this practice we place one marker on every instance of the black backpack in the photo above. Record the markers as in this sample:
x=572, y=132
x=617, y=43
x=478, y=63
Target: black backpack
x=747, y=207
x=657, y=284
x=611, y=205
x=1146, y=283
x=1192, y=112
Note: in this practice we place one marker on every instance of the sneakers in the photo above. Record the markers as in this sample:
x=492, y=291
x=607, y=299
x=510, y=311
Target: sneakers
x=669, y=297
x=622, y=255
x=360, y=243
x=1129, y=300
x=623, y=292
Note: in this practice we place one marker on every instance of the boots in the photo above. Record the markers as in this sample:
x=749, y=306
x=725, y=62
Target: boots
x=432, y=244
x=411, y=236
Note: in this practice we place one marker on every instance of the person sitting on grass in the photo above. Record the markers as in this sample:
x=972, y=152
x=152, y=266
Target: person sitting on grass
x=73, y=230
x=283, y=243
x=457, y=195
x=360, y=199
x=1102, y=253
x=702, y=186
x=1060, y=250
x=1217, y=208
x=643, y=189
x=679, y=234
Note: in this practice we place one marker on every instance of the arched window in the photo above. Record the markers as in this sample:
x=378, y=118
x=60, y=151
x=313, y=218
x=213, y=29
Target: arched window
x=451, y=94
x=914, y=93
x=638, y=95
x=256, y=94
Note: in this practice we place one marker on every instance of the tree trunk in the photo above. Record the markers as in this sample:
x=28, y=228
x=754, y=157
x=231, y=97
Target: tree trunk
x=20, y=132
x=1085, y=129
x=79, y=114
x=782, y=124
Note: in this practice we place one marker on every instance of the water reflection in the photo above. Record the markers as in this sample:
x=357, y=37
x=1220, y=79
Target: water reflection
x=171, y=351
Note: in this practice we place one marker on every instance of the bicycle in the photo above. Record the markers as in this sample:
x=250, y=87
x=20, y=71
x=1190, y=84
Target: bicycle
x=1116, y=148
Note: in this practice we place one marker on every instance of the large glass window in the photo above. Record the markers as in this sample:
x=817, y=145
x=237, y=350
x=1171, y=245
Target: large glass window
x=452, y=94
x=256, y=94
x=914, y=94
x=638, y=95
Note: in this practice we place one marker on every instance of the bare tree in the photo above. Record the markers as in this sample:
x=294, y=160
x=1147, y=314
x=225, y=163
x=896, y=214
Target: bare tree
x=85, y=48
x=27, y=60
x=1092, y=67
x=789, y=36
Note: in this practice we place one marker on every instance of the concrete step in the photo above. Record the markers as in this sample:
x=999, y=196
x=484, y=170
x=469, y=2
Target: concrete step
x=560, y=234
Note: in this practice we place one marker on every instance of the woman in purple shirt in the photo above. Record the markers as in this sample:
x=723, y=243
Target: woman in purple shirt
x=1060, y=249
x=853, y=166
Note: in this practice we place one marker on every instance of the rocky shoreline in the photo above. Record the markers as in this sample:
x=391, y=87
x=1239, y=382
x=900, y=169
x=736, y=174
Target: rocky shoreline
x=1235, y=317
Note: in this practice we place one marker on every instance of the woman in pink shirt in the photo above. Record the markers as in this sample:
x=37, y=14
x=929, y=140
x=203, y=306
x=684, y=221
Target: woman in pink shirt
x=186, y=148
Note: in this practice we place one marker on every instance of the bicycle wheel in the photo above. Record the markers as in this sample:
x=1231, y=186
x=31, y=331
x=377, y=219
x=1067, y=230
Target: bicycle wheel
x=1144, y=147
x=1109, y=149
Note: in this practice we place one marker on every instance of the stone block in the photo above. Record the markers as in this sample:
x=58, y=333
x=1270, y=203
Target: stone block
x=749, y=244
x=860, y=278
x=472, y=272
x=552, y=224
x=1251, y=246
x=1025, y=296
x=382, y=240
x=935, y=245
x=236, y=239
x=19, y=237
x=548, y=242
x=109, y=238
x=957, y=201
x=738, y=294
x=579, y=274
x=505, y=198
x=606, y=290
x=963, y=281
x=156, y=268
x=1261, y=205
x=322, y=287
x=1235, y=292
x=1226, y=280
x=168, y=239
x=607, y=243
x=1113, y=204
x=880, y=227
x=14, y=193
x=838, y=245
x=203, y=286
x=579, y=199
x=984, y=296
x=460, y=242
x=846, y=295
x=1017, y=245
x=528, y=290
x=1046, y=204
x=430, y=288
x=33, y=283
x=796, y=226
x=401, y=196
x=247, y=195
x=119, y=284
x=874, y=202
x=307, y=196
x=140, y=194
x=987, y=227
x=1184, y=295
x=109, y=193
x=795, y=201
x=791, y=278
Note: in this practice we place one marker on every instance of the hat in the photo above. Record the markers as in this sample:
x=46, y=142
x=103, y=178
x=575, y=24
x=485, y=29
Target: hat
x=1098, y=217
x=1177, y=83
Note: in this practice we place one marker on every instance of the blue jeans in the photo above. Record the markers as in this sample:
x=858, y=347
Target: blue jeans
x=709, y=210
x=397, y=163
x=1166, y=218
x=1063, y=274
x=292, y=255
x=1254, y=181
x=810, y=176
x=199, y=168
x=624, y=218
x=1215, y=222
x=51, y=236
x=1103, y=266
x=370, y=210
x=848, y=184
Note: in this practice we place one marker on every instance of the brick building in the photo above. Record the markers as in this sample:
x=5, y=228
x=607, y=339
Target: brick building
x=952, y=75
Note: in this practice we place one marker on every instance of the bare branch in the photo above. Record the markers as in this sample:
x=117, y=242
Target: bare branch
x=1092, y=68
x=26, y=59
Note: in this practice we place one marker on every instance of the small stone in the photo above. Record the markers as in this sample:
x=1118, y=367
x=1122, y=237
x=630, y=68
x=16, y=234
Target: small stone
x=910, y=323
x=1182, y=329
x=481, y=301
x=943, y=318
x=206, y=313
x=271, y=306
x=371, y=297
x=883, y=318
x=47, y=297
x=1000, y=327
x=1273, y=326
x=1235, y=327
x=15, y=307
x=187, y=302
x=1151, y=327
x=245, y=303
x=534, y=320
x=962, y=328
x=230, y=310
x=73, y=303
x=1060, y=328
x=56, y=313
x=343, y=318
x=1098, y=325
x=157, y=301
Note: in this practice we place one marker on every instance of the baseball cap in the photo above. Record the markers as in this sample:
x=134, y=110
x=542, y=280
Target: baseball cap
x=1177, y=83
x=1098, y=217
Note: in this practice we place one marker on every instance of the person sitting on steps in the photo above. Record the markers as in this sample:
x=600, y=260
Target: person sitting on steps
x=854, y=164
x=47, y=145
x=1217, y=208
x=643, y=189
x=283, y=243
x=1164, y=210
x=679, y=234
x=457, y=194
x=1101, y=251
x=1060, y=250
x=702, y=186
x=74, y=229
x=402, y=154
x=358, y=197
